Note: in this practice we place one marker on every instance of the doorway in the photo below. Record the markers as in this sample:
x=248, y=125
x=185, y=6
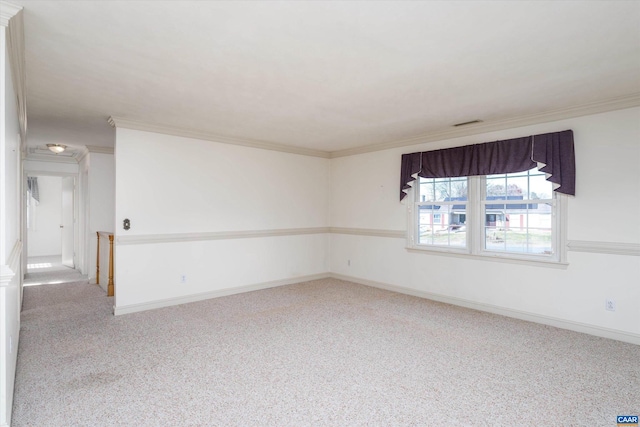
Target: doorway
x=51, y=229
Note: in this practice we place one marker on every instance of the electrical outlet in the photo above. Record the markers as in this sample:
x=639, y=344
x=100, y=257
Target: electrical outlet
x=610, y=305
x=349, y=263
x=183, y=278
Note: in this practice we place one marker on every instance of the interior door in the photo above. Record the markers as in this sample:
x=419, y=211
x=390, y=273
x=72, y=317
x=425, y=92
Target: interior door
x=68, y=184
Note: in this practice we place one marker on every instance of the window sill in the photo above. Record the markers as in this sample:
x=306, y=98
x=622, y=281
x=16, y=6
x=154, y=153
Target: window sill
x=495, y=258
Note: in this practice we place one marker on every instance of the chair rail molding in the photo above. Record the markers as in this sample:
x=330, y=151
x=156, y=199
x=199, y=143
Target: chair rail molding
x=216, y=235
x=398, y=234
x=614, y=248
x=11, y=268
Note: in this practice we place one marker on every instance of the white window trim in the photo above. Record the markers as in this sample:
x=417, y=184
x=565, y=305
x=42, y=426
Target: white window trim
x=475, y=248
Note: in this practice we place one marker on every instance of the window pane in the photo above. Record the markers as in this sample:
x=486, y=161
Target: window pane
x=519, y=228
x=442, y=190
x=494, y=239
x=517, y=187
x=540, y=241
x=450, y=189
x=496, y=187
x=443, y=225
x=426, y=190
x=426, y=224
x=539, y=187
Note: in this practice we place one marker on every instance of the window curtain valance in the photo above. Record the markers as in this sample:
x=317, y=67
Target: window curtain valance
x=552, y=153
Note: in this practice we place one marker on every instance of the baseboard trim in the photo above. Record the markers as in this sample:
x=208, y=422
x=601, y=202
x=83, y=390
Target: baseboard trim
x=490, y=308
x=517, y=314
x=133, y=308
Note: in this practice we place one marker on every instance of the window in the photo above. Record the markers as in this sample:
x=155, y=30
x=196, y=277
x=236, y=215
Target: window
x=442, y=211
x=515, y=215
x=518, y=211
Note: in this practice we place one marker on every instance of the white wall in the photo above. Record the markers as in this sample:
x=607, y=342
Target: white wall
x=10, y=167
x=606, y=208
x=101, y=200
x=181, y=193
x=169, y=185
x=10, y=244
x=44, y=233
x=83, y=216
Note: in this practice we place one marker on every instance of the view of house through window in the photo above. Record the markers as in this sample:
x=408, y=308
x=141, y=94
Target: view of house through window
x=521, y=221
x=513, y=213
x=442, y=218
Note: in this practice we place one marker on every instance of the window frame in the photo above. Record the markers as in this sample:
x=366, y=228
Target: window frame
x=475, y=229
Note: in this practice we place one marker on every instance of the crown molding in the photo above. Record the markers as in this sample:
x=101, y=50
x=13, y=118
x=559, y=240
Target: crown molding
x=41, y=158
x=83, y=153
x=34, y=154
x=620, y=103
x=73, y=155
x=93, y=149
x=118, y=122
x=99, y=149
x=8, y=11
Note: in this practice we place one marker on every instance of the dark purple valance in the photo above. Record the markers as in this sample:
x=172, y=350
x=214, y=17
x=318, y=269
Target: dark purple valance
x=552, y=153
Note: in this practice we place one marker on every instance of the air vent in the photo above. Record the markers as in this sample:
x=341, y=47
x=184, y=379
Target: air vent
x=467, y=123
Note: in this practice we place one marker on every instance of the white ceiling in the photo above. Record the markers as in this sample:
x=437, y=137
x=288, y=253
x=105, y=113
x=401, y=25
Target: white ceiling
x=322, y=75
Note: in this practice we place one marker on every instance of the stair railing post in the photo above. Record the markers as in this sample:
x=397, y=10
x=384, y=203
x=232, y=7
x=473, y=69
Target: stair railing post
x=110, y=287
x=98, y=260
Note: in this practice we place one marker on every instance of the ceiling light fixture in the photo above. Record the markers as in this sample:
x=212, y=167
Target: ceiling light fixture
x=56, y=148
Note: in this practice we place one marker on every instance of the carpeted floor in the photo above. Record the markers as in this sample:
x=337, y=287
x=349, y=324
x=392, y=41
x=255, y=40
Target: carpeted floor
x=322, y=353
x=49, y=269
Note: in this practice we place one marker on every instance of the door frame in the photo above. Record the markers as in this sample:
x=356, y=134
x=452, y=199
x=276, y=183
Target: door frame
x=78, y=232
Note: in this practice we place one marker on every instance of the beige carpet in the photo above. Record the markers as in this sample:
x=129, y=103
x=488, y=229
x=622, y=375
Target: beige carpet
x=49, y=269
x=322, y=353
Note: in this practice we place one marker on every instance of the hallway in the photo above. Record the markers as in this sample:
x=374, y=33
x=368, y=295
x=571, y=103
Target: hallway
x=48, y=270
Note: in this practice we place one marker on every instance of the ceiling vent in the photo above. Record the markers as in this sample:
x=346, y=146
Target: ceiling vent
x=467, y=123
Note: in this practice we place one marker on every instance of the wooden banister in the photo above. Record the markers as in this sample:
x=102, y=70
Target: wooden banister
x=98, y=260
x=110, y=283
